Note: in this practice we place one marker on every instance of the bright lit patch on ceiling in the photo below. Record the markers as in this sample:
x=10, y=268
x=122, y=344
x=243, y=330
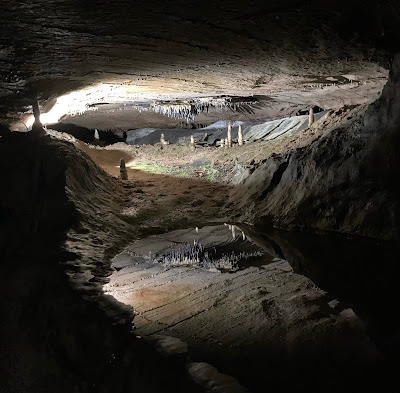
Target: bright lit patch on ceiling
x=89, y=99
x=84, y=100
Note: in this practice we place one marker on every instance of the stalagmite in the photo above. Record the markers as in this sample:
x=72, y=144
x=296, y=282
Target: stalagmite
x=229, y=134
x=234, y=231
x=192, y=142
x=311, y=117
x=96, y=135
x=226, y=142
x=163, y=141
x=122, y=170
x=240, y=135
x=37, y=127
x=222, y=143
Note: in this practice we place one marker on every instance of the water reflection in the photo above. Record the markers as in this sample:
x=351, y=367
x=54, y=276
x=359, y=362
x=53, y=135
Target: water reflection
x=223, y=248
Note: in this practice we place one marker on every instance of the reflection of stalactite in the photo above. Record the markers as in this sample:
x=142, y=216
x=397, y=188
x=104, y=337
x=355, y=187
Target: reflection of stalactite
x=196, y=255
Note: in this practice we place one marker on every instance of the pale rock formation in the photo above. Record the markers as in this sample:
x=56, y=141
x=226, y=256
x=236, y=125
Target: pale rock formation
x=240, y=135
x=163, y=141
x=37, y=127
x=229, y=135
x=192, y=142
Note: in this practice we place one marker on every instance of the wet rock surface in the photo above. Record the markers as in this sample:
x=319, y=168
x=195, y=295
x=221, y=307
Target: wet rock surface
x=241, y=321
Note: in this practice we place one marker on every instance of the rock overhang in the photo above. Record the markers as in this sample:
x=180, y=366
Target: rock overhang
x=294, y=53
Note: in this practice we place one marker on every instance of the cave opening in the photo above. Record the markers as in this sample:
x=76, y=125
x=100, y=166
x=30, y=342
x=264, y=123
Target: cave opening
x=199, y=197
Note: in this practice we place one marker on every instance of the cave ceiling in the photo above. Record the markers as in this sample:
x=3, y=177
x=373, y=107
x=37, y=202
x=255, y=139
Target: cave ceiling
x=136, y=62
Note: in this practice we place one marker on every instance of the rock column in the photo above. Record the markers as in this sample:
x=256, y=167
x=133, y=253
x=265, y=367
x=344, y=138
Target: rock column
x=311, y=117
x=192, y=142
x=229, y=135
x=122, y=170
x=240, y=135
x=37, y=127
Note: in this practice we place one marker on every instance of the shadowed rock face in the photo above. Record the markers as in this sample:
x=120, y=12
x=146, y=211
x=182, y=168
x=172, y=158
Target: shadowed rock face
x=287, y=50
x=344, y=181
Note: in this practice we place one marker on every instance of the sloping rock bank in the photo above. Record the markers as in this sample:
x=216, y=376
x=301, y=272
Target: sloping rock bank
x=344, y=181
x=59, y=226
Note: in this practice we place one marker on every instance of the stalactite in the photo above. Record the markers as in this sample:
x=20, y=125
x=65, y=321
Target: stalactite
x=190, y=109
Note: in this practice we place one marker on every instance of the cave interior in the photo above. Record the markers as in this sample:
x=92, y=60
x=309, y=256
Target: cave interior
x=199, y=196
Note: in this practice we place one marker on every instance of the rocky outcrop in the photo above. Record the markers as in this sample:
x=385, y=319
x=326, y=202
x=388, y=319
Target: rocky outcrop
x=344, y=181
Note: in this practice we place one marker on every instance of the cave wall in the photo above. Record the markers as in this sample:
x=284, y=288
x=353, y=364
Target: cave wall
x=344, y=181
x=59, y=226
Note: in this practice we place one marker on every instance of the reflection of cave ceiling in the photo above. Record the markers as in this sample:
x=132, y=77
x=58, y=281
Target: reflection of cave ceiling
x=291, y=53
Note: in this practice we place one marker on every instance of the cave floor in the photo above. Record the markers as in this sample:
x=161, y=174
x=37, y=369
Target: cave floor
x=259, y=323
x=237, y=321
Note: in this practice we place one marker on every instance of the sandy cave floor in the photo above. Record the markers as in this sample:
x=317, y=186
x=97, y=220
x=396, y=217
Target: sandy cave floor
x=220, y=165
